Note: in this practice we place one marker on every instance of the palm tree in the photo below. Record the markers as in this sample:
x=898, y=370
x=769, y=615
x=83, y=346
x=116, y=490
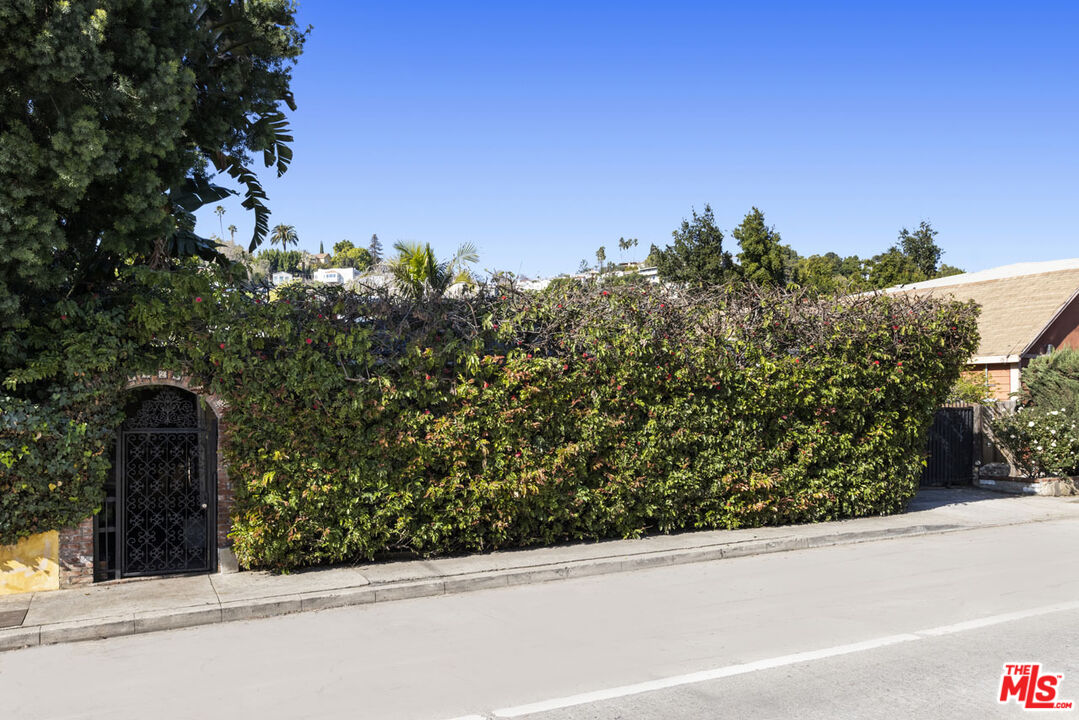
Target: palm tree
x=285, y=235
x=220, y=212
x=418, y=273
x=232, y=233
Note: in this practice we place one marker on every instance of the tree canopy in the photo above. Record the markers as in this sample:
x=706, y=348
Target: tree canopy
x=345, y=254
x=115, y=117
x=761, y=258
x=697, y=257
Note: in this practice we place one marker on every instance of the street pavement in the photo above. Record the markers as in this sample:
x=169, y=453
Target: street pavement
x=877, y=629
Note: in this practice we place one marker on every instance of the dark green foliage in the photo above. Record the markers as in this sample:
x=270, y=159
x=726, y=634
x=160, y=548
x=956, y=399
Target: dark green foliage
x=913, y=259
x=947, y=270
x=112, y=115
x=762, y=257
x=696, y=258
x=53, y=466
x=360, y=425
x=893, y=268
x=829, y=273
x=58, y=412
x=1052, y=381
x=921, y=247
x=285, y=261
x=345, y=254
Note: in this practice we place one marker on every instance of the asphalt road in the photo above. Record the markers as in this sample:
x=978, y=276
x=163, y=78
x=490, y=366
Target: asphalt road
x=880, y=629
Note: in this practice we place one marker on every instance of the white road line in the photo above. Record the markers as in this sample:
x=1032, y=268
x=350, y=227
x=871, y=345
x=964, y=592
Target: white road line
x=767, y=664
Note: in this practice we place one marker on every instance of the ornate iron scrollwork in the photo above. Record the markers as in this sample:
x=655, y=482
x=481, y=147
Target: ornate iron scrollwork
x=166, y=409
x=165, y=488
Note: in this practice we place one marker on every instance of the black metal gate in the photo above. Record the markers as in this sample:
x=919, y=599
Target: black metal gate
x=950, y=447
x=164, y=489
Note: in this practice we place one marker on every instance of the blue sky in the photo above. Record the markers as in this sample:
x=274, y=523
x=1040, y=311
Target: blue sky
x=540, y=131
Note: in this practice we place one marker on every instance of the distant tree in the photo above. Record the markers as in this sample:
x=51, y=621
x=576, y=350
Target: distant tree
x=920, y=246
x=947, y=270
x=653, y=256
x=914, y=258
x=375, y=248
x=790, y=262
x=761, y=257
x=232, y=233
x=280, y=260
x=220, y=212
x=321, y=248
x=284, y=235
x=820, y=272
x=418, y=274
x=583, y=266
x=829, y=273
x=697, y=256
x=894, y=267
x=354, y=257
x=601, y=258
x=625, y=244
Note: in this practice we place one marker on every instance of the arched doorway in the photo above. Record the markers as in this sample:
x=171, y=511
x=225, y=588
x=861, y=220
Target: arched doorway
x=160, y=512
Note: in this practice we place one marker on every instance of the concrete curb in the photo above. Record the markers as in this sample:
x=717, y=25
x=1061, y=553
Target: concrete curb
x=116, y=626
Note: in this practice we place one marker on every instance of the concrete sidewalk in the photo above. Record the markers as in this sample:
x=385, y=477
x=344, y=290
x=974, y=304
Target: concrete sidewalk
x=138, y=606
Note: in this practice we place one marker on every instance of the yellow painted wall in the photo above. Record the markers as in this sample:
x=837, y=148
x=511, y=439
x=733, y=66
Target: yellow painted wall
x=30, y=565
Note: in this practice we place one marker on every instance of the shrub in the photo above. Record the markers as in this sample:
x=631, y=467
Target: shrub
x=1052, y=381
x=1040, y=442
x=359, y=424
x=52, y=469
x=1041, y=439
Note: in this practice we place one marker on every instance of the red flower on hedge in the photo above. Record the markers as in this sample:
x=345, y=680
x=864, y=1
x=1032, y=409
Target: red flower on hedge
x=222, y=346
x=198, y=299
x=308, y=341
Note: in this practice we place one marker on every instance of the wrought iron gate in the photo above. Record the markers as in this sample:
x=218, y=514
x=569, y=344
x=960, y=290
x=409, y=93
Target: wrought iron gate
x=164, y=491
x=951, y=447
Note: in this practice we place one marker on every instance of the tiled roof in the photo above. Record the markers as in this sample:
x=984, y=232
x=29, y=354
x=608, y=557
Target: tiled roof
x=1018, y=301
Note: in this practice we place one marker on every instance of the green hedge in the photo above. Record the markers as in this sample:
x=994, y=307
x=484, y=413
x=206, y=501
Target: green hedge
x=52, y=469
x=360, y=425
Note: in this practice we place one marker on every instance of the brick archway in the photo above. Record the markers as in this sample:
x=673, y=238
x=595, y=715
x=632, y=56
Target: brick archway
x=77, y=551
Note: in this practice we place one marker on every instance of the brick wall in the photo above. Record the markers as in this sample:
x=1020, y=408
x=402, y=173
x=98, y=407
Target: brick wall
x=77, y=554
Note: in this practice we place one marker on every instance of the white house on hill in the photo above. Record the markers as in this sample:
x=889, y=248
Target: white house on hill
x=335, y=276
